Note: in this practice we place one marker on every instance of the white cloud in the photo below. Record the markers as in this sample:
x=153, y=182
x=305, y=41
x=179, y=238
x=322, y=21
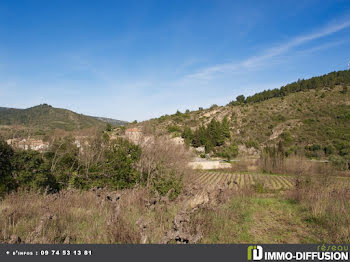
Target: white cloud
x=259, y=60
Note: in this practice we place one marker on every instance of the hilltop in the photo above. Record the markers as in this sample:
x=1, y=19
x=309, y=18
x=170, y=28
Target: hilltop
x=46, y=117
x=309, y=117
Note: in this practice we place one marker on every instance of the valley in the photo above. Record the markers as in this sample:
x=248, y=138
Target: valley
x=270, y=168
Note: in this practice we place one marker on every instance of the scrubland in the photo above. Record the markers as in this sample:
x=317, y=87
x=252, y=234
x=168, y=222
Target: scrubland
x=314, y=208
x=290, y=185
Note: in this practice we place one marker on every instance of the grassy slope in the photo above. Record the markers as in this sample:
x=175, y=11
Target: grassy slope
x=260, y=220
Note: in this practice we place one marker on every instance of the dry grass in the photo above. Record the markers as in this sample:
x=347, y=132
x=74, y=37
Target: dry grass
x=316, y=210
x=327, y=200
x=66, y=216
x=70, y=217
x=276, y=165
x=323, y=191
x=244, y=165
x=98, y=216
x=292, y=165
x=85, y=217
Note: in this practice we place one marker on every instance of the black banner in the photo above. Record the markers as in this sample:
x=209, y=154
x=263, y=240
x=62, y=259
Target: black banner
x=235, y=252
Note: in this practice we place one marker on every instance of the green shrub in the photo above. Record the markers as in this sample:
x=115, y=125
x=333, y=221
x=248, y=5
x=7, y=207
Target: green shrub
x=187, y=135
x=101, y=163
x=168, y=180
x=7, y=182
x=173, y=129
x=32, y=171
x=108, y=127
x=63, y=159
x=45, y=182
x=315, y=147
x=117, y=169
x=339, y=162
x=279, y=118
x=287, y=138
x=345, y=89
x=252, y=143
x=79, y=182
x=329, y=150
x=240, y=99
x=229, y=152
x=259, y=187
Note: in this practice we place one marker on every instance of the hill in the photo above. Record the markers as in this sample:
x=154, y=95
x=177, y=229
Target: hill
x=46, y=117
x=309, y=117
x=113, y=122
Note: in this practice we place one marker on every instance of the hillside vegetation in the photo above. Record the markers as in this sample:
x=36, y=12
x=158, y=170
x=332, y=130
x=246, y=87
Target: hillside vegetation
x=46, y=117
x=307, y=117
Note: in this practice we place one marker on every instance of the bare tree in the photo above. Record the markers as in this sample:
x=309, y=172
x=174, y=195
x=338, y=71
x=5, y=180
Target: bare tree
x=161, y=157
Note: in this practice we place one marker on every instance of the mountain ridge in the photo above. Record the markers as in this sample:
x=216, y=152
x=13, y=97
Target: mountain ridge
x=45, y=116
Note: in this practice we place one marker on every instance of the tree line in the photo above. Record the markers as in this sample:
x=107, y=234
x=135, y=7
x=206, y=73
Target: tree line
x=329, y=80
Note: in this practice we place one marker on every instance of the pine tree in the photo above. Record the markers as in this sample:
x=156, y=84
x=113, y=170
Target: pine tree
x=187, y=135
x=226, y=127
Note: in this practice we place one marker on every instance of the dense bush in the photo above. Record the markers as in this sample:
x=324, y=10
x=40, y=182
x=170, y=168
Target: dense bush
x=187, y=135
x=62, y=158
x=100, y=162
x=6, y=180
x=167, y=182
x=229, y=152
x=117, y=168
x=329, y=150
x=32, y=171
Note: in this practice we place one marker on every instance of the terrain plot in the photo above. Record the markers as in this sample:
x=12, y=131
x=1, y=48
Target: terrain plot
x=239, y=180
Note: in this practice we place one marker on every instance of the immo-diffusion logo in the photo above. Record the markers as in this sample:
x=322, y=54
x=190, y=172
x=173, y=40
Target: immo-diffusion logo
x=255, y=252
x=335, y=253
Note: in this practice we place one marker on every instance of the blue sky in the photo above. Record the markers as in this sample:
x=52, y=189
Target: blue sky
x=142, y=59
